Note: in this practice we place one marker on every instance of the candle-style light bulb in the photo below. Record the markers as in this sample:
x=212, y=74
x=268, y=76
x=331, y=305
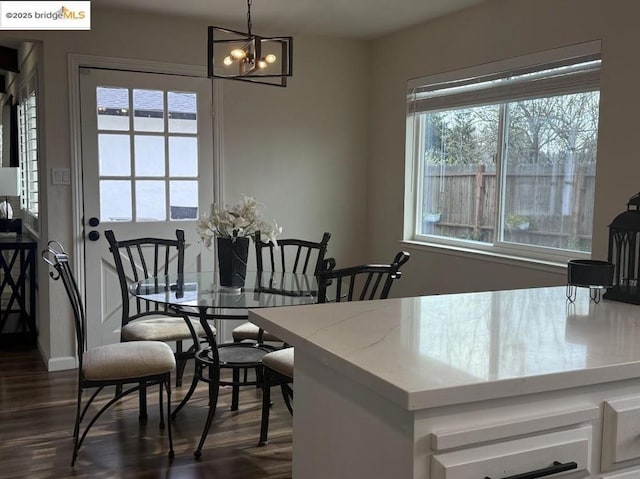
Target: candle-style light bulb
x=228, y=61
x=270, y=58
x=238, y=53
x=262, y=64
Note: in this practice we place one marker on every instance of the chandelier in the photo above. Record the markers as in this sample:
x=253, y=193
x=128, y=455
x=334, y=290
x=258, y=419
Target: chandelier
x=244, y=56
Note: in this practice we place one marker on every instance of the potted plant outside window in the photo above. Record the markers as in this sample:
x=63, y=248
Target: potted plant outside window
x=518, y=222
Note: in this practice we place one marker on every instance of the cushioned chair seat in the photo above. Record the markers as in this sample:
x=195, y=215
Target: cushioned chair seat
x=250, y=331
x=280, y=361
x=160, y=328
x=127, y=360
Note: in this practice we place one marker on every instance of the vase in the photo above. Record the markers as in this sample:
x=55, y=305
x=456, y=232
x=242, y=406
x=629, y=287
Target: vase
x=232, y=262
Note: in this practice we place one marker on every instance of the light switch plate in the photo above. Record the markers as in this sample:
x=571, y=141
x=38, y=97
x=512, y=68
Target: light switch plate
x=60, y=176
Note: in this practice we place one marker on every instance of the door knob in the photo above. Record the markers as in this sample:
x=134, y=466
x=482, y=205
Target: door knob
x=94, y=235
x=93, y=222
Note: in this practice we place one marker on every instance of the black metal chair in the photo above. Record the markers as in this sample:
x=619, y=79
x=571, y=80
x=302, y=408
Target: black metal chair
x=139, y=363
x=355, y=283
x=290, y=256
x=139, y=258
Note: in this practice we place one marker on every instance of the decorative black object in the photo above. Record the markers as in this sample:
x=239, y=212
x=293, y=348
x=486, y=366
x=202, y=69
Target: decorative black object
x=587, y=273
x=232, y=261
x=624, y=253
x=13, y=225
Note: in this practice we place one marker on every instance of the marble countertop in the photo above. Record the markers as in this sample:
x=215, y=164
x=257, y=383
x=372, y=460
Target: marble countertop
x=449, y=349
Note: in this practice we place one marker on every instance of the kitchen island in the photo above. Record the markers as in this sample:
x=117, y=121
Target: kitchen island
x=461, y=386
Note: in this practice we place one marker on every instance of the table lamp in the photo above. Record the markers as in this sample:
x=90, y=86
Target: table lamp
x=9, y=186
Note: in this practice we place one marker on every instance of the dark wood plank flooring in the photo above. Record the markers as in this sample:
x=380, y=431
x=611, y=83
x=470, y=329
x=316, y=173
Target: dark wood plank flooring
x=36, y=420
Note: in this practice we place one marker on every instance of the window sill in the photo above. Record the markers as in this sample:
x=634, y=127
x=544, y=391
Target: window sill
x=557, y=267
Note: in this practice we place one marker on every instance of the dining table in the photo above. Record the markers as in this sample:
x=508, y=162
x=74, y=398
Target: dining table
x=201, y=295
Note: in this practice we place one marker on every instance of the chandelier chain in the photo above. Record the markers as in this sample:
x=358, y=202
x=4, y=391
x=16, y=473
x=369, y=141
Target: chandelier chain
x=249, y=2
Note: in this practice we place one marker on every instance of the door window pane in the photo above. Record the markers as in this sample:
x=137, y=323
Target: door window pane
x=150, y=201
x=148, y=106
x=113, y=108
x=183, y=156
x=114, y=155
x=182, y=112
x=184, y=199
x=115, y=200
x=149, y=155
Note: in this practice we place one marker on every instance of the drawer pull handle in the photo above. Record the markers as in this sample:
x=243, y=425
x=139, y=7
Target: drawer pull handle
x=547, y=471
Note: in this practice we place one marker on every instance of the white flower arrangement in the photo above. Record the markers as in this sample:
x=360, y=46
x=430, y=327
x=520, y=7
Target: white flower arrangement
x=241, y=220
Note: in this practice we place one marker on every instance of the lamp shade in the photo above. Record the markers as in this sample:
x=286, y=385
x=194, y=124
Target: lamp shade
x=9, y=182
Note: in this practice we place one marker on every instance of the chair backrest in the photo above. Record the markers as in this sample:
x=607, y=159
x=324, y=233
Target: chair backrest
x=291, y=255
x=359, y=283
x=140, y=258
x=56, y=257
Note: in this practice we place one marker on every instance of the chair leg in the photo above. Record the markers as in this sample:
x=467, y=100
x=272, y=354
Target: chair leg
x=161, y=409
x=180, y=364
x=143, y=401
x=235, y=389
x=259, y=378
x=287, y=395
x=266, y=405
x=171, y=452
x=76, y=429
x=197, y=374
x=214, y=387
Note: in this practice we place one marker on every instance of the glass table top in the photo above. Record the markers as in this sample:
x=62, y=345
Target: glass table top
x=261, y=290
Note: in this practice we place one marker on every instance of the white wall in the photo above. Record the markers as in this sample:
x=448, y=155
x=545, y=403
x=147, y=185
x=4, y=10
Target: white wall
x=300, y=150
x=489, y=32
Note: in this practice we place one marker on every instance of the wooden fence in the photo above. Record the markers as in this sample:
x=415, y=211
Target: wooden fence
x=550, y=197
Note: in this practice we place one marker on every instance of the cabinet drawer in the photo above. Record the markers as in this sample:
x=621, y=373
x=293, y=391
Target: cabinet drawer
x=620, y=432
x=518, y=456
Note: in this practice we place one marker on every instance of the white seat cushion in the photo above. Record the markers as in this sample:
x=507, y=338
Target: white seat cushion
x=127, y=360
x=160, y=328
x=250, y=331
x=280, y=360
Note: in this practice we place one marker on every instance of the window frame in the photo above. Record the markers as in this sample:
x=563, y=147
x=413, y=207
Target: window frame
x=414, y=145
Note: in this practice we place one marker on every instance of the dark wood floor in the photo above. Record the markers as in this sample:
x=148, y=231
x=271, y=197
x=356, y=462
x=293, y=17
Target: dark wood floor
x=36, y=419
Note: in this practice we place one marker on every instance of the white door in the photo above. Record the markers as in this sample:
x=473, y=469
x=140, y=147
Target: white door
x=147, y=159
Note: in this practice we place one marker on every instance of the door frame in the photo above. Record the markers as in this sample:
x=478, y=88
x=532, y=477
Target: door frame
x=76, y=61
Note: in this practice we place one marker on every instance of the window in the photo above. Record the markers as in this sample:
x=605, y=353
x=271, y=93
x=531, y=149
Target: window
x=157, y=178
x=506, y=161
x=28, y=148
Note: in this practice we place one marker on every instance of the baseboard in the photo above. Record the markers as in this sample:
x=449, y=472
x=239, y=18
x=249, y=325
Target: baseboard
x=61, y=364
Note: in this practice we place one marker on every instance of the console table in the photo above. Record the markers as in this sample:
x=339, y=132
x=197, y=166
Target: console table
x=18, y=288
